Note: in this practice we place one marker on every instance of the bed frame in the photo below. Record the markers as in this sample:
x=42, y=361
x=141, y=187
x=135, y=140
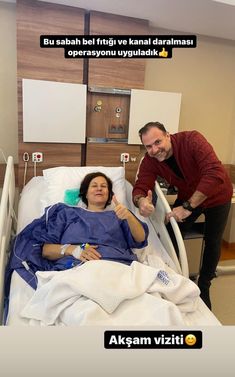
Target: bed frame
x=6, y=220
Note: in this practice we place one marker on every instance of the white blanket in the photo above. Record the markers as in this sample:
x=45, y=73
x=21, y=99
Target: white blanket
x=110, y=293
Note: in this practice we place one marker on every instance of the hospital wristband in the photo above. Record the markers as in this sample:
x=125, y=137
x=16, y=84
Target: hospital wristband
x=63, y=248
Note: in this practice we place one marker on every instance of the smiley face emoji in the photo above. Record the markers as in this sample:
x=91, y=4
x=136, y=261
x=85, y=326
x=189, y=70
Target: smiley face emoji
x=190, y=339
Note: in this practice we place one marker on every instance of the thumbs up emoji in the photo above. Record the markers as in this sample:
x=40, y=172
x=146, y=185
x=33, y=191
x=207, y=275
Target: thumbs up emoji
x=163, y=53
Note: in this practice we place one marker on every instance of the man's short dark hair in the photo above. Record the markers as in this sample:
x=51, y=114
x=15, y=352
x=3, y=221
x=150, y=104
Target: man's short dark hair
x=150, y=125
x=86, y=182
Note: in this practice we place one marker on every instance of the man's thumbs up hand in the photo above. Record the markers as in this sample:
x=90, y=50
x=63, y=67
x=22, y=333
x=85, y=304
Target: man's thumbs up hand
x=145, y=204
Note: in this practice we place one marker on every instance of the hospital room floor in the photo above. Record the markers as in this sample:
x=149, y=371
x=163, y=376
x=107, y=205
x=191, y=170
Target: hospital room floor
x=222, y=291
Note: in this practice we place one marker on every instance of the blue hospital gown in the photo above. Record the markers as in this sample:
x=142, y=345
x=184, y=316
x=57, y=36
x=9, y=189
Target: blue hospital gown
x=62, y=224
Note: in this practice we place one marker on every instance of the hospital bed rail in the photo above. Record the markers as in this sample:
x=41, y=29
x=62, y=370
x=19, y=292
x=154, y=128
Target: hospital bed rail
x=6, y=219
x=158, y=221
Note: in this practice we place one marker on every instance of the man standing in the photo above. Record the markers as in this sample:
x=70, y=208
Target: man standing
x=186, y=160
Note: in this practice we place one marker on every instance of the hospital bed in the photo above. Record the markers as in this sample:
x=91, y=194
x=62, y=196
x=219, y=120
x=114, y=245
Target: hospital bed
x=46, y=190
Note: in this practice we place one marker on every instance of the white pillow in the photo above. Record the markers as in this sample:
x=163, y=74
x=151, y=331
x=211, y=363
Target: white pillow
x=30, y=206
x=63, y=178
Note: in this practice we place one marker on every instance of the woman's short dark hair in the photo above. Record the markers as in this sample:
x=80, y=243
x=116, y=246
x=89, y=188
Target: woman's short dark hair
x=86, y=182
x=149, y=125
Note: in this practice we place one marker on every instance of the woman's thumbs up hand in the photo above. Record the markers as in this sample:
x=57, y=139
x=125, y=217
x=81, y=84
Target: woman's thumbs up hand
x=120, y=210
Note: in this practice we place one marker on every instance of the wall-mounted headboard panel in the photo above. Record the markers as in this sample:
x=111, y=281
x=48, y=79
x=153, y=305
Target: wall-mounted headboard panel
x=35, y=18
x=116, y=73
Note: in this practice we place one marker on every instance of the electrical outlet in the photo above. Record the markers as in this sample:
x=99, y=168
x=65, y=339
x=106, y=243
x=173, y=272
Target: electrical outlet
x=125, y=157
x=25, y=157
x=37, y=157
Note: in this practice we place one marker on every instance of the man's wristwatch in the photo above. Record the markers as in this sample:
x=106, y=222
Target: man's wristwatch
x=187, y=205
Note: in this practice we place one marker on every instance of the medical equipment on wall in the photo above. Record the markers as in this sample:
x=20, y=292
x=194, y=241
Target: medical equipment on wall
x=108, y=113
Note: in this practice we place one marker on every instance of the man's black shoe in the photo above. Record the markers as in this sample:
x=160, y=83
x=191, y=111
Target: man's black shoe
x=204, y=287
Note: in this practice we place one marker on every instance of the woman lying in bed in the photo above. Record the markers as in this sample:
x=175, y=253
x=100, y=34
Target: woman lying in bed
x=99, y=292
x=66, y=236
x=92, y=233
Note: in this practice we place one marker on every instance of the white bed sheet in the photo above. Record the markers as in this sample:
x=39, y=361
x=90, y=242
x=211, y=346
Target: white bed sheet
x=21, y=292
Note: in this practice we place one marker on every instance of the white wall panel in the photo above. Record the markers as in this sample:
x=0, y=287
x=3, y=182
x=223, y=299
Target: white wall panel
x=54, y=112
x=147, y=106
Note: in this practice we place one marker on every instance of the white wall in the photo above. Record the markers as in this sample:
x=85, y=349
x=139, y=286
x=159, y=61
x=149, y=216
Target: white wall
x=8, y=83
x=205, y=76
x=233, y=131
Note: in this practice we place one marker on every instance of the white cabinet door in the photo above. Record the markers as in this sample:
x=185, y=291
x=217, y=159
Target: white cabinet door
x=54, y=112
x=147, y=106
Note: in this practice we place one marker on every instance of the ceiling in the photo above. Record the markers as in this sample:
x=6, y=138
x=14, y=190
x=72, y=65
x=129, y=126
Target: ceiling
x=214, y=18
